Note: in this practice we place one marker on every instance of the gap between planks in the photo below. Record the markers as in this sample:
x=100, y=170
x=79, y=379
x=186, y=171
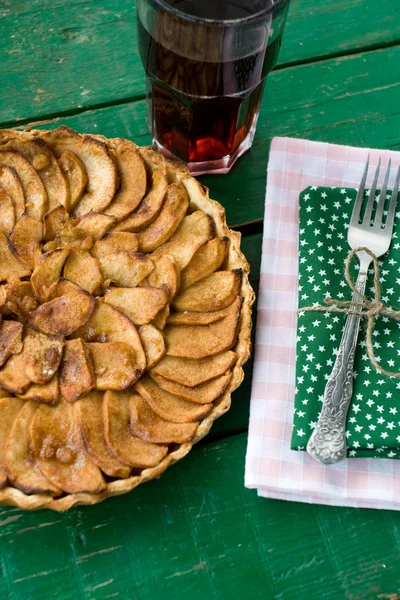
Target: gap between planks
x=56, y=117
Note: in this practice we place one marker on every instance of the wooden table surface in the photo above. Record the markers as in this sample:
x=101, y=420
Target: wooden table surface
x=197, y=533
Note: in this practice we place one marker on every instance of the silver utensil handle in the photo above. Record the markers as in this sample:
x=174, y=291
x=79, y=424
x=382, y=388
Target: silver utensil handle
x=327, y=443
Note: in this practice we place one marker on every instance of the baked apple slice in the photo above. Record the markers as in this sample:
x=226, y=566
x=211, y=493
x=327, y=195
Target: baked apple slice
x=12, y=374
x=84, y=270
x=59, y=451
x=20, y=465
x=194, y=231
x=107, y=324
x=201, y=394
x=10, y=267
x=76, y=374
x=169, y=406
x=84, y=231
x=54, y=222
x=46, y=393
x=10, y=182
x=140, y=304
x=126, y=447
x=147, y=425
x=94, y=224
x=89, y=417
x=165, y=275
x=70, y=237
x=25, y=240
x=65, y=313
x=125, y=269
x=215, y=292
x=18, y=298
x=150, y=206
x=164, y=226
x=115, y=242
x=43, y=355
x=7, y=212
x=197, y=318
x=9, y=408
x=207, y=259
x=36, y=202
x=132, y=176
x=191, y=373
x=161, y=319
x=153, y=343
x=10, y=340
x=75, y=173
x=200, y=341
x=114, y=365
x=48, y=272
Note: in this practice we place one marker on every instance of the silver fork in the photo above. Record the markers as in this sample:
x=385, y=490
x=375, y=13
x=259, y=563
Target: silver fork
x=327, y=443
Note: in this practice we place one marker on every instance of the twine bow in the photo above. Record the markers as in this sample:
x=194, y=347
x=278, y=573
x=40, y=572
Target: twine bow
x=364, y=308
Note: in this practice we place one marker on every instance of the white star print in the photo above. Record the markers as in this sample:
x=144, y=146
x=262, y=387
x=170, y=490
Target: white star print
x=323, y=249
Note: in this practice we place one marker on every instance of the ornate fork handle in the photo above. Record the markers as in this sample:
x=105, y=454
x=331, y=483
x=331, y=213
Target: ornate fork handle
x=327, y=443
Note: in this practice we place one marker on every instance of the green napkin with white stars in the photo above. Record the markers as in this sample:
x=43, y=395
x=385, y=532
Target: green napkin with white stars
x=373, y=424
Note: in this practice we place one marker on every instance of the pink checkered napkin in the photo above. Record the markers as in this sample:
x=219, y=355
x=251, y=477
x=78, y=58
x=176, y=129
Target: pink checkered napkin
x=271, y=467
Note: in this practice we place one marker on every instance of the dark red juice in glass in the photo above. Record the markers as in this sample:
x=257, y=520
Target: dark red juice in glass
x=206, y=63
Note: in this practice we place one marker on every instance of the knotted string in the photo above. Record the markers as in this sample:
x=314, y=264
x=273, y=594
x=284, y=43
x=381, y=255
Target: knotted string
x=364, y=308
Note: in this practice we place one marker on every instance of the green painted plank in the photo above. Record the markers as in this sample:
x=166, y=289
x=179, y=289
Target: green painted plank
x=345, y=100
x=198, y=533
x=64, y=56
x=332, y=27
x=59, y=55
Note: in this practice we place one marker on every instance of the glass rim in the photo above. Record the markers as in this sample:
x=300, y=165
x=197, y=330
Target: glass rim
x=187, y=17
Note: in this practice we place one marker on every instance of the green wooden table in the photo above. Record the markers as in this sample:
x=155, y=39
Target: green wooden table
x=198, y=533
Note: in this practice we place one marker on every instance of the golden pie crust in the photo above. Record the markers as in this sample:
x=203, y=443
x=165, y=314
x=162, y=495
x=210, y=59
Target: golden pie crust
x=126, y=316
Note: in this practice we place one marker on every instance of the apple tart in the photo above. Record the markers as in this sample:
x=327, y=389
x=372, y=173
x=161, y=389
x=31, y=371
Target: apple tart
x=125, y=316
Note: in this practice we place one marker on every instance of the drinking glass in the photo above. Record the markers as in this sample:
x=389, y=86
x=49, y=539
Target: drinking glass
x=206, y=62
